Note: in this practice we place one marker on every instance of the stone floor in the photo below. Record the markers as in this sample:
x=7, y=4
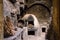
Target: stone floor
x=35, y=38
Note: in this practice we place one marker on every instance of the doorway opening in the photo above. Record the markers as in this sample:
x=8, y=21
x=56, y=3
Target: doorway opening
x=43, y=29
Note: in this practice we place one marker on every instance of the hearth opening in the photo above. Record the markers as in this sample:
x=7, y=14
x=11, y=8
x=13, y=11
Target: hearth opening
x=31, y=32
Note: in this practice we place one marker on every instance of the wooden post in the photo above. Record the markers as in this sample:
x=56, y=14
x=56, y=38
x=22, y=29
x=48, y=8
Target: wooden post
x=56, y=17
x=1, y=21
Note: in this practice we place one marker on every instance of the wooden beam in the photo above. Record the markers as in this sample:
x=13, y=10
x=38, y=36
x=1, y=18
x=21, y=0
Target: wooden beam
x=1, y=1
x=56, y=17
x=1, y=22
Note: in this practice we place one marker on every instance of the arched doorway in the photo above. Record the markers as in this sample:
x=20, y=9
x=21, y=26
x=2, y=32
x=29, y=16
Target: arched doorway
x=32, y=23
x=31, y=19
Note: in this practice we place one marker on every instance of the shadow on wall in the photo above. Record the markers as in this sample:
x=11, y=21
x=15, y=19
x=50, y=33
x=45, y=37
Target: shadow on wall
x=51, y=34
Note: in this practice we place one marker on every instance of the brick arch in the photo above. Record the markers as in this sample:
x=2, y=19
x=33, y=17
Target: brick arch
x=39, y=4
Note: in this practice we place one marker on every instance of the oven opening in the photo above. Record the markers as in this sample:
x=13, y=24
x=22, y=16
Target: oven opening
x=31, y=22
x=31, y=32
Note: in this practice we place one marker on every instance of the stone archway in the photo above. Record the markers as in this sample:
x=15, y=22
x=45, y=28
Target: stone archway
x=32, y=18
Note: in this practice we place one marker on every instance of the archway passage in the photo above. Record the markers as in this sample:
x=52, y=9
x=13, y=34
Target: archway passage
x=32, y=24
x=42, y=13
x=31, y=19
